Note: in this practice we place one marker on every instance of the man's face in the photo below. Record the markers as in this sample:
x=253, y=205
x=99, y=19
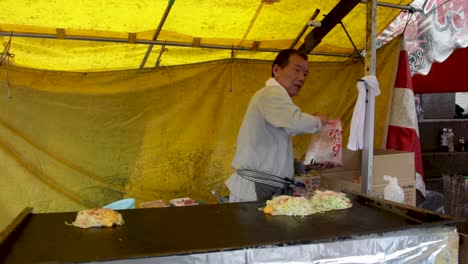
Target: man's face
x=293, y=75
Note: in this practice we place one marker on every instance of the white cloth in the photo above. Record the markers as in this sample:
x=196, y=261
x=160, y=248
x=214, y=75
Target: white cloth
x=264, y=141
x=356, y=134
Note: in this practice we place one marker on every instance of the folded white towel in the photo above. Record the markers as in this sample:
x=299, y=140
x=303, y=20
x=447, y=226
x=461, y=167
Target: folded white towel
x=356, y=135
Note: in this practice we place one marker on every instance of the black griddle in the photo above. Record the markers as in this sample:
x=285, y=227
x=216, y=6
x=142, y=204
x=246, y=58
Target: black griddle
x=45, y=238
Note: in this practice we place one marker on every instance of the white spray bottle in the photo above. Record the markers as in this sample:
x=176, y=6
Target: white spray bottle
x=393, y=191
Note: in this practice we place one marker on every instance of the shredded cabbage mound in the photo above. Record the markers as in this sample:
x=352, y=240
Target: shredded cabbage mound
x=288, y=205
x=301, y=206
x=329, y=200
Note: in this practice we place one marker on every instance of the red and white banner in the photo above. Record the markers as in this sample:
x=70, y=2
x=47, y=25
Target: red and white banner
x=433, y=32
x=403, y=132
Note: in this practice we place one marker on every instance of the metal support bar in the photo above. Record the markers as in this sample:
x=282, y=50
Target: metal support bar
x=158, y=30
x=352, y=42
x=402, y=7
x=367, y=166
x=156, y=42
x=306, y=26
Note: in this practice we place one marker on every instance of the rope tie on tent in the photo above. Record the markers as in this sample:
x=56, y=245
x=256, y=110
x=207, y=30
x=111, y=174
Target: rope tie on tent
x=163, y=49
x=5, y=58
x=6, y=55
x=396, y=33
x=406, y=24
x=403, y=39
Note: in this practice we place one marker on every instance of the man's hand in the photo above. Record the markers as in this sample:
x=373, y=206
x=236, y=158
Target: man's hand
x=323, y=118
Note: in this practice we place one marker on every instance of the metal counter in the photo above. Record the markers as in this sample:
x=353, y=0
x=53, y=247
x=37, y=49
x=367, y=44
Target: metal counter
x=153, y=232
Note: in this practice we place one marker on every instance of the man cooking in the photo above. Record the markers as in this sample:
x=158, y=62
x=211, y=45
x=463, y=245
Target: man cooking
x=264, y=159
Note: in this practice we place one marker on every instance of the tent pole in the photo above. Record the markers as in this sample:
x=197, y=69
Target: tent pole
x=249, y=27
x=402, y=7
x=157, y=42
x=367, y=166
x=158, y=30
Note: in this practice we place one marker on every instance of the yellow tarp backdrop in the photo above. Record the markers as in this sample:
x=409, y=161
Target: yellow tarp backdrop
x=70, y=141
x=227, y=23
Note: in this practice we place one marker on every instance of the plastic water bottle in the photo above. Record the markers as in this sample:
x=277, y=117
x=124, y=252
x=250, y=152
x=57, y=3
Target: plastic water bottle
x=444, y=140
x=450, y=139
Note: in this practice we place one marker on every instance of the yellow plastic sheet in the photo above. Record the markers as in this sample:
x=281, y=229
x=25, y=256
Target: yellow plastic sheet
x=70, y=141
x=228, y=23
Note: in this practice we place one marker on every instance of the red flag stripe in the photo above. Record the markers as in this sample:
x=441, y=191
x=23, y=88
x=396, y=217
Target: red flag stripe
x=402, y=132
x=403, y=78
x=406, y=139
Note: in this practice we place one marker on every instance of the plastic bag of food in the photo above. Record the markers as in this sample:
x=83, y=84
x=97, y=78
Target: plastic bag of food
x=326, y=146
x=183, y=201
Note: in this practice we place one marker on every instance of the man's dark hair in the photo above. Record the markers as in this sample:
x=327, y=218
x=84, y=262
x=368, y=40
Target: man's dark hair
x=282, y=59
